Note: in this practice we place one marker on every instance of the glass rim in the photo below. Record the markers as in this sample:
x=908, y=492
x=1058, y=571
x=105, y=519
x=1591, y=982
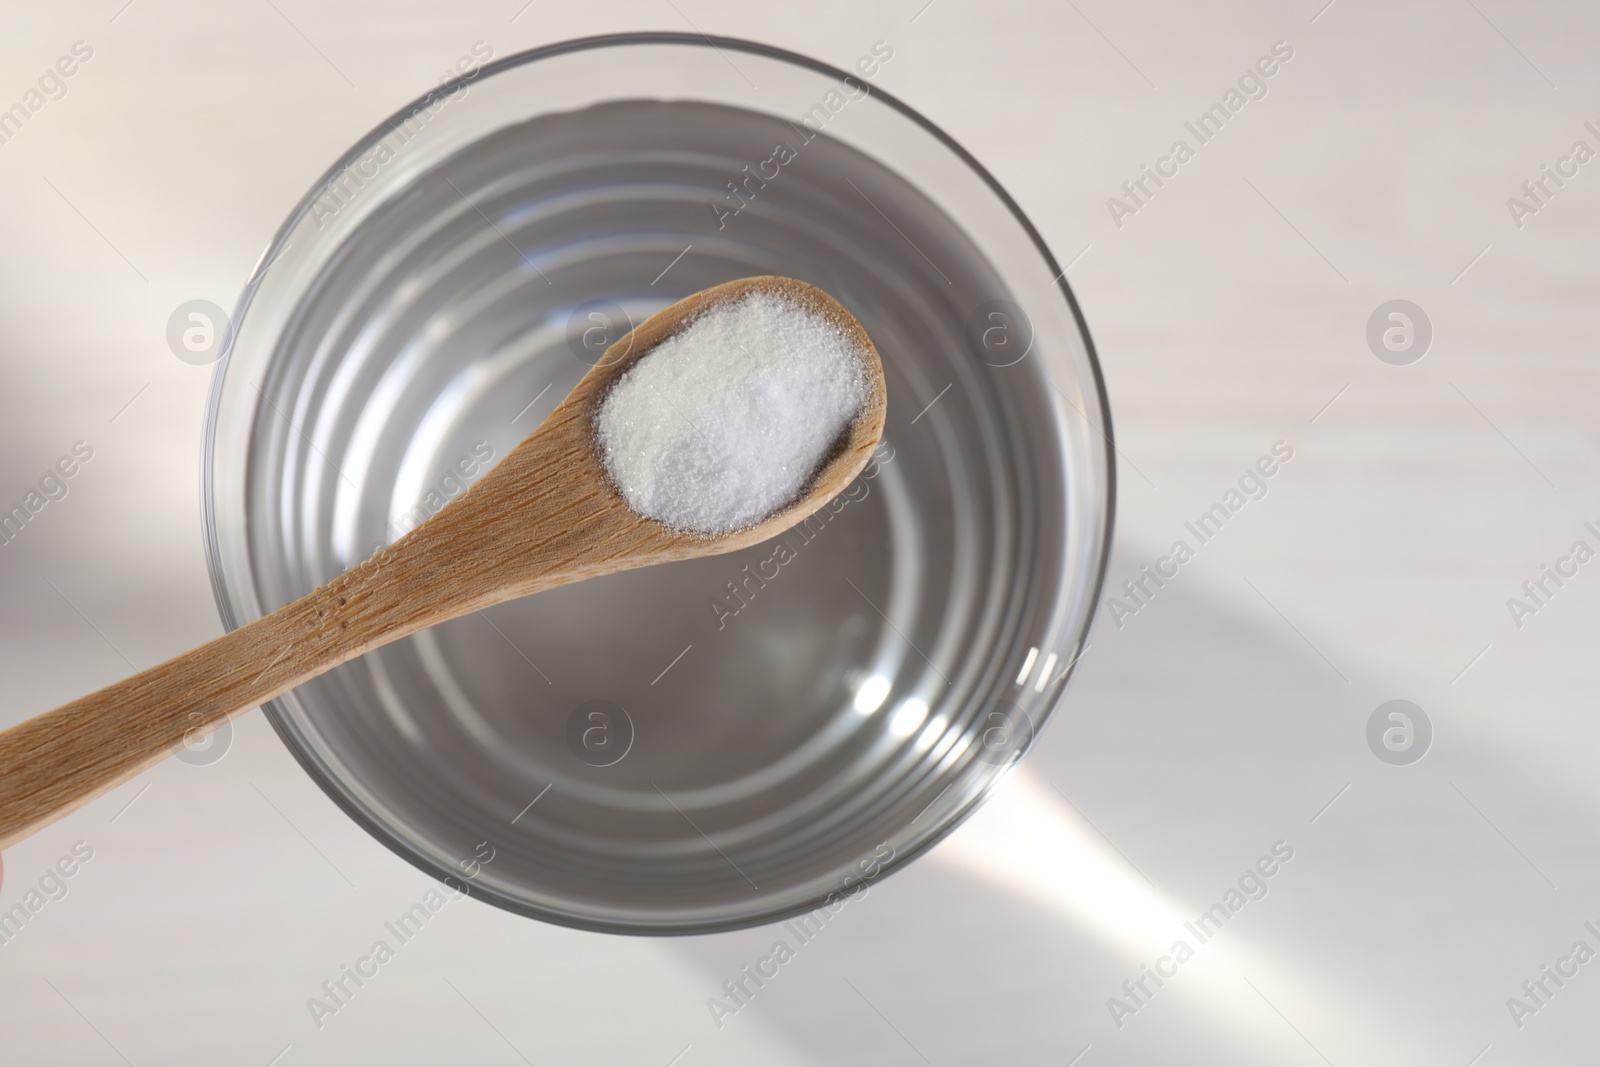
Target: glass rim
x=226, y=607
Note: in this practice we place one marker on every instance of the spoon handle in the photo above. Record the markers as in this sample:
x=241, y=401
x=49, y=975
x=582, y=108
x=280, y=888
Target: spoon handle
x=61, y=760
x=520, y=529
x=524, y=527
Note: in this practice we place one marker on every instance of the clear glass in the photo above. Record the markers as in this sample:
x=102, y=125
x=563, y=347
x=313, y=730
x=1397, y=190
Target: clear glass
x=710, y=744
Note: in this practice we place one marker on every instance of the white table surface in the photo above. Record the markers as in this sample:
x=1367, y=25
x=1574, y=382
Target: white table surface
x=1223, y=718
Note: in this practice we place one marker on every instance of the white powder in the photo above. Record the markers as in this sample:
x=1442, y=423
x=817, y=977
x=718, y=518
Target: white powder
x=728, y=420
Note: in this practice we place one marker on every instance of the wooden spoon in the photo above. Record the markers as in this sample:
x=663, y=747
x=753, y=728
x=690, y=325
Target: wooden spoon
x=546, y=515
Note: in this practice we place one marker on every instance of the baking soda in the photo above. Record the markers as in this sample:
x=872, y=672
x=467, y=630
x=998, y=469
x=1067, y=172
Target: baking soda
x=729, y=420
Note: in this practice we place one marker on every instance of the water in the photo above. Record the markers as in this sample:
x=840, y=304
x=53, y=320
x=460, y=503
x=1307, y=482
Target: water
x=700, y=745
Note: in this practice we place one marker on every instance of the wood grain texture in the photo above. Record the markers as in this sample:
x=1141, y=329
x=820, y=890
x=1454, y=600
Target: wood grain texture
x=546, y=515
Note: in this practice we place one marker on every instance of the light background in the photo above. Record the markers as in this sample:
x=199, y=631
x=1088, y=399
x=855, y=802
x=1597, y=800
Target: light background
x=1229, y=313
